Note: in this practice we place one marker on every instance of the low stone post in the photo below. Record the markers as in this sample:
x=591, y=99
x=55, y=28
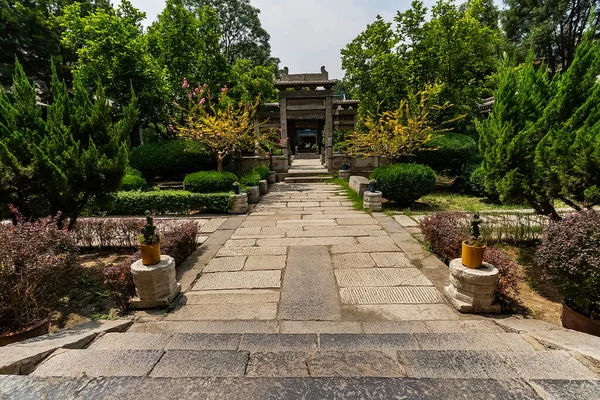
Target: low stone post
x=155, y=285
x=263, y=187
x=239, y=204
x=345, y=174
x=473, y=290
x=272, y=177
x=253, y=194
x=373, y=201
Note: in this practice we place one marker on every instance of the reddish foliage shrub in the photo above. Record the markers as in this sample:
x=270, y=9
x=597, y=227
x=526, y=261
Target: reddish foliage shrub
x=445, y=232
x=570, y=254
x=180, y=242
x=507, y=291
x=37, y=260
x=119, y=283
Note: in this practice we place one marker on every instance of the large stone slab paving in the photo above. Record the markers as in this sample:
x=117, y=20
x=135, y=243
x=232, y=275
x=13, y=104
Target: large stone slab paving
x=258, y=224
x=406, y=221
x=391, y=295
x=321, y=241
x=257, y=263
x=240, y=243
x=454, y=364
x=281, y=342
x=251, y=251
x=380, y=327
x=463, y=326
x=22, y=360
x=464, y=341
x=306, y=222
x=212, y=225
x=239, y=280
x=203, y=341
x=353, y=261
x=370, y=277
x=308, y=291
x=280, y=364
x=328, y=233
x=382, y=342
x=355, y=221
x=95, y=363
x=258, y=311
x=178, y=363
x=364, y=248
x=567, y=340
x=314, y=388
x=401, y=312
x=519, y=325
x=251, y=326
x=320, y=327
x=240, y=296
x=375, y=240
x=548, y=365
x=391, y=260
x=130, y=341
x=225, y=264
x=26, y=387
x=568, y=390
x=354, y=363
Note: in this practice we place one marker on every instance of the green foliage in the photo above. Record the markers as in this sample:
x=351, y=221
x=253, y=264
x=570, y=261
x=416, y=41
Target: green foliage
x=112, y=50
x=448, y=151
x=148, y=234
x=209, y=182
x=243, y=37
x=262, y=171
x=250, y=179
x=186, y=45
x=553, y=30
x=249, y=82
x=133, y=180
x=78, y=153
x=456, y=49
x=404, y=183
x=170, y=202
x=171, y=159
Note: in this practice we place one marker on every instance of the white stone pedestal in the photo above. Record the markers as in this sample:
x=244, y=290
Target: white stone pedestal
x=155, y=285
x=263, y=187
x=372, y=201
x=473, y=290
x=253, y=194
x=239, y=204
x=345, y=174
x=272, y=177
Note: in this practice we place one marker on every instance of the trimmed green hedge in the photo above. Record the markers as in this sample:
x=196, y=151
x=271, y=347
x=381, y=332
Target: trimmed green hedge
x=448, y=151
x=133, y=180
x=172, y=159
x=209, y=182
x=404, y=183
x=171, y=202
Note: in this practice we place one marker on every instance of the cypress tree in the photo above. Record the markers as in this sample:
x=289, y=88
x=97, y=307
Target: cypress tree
x=61, y=162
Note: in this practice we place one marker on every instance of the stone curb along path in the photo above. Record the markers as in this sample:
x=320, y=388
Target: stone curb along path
x=307, y=298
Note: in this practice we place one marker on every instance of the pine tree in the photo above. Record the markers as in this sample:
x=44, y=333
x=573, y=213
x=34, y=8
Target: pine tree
x=60, y=163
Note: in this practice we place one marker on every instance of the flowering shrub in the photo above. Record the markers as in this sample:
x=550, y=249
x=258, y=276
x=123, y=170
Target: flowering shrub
x=570, y=254
x=445, y=232
x=37, y=260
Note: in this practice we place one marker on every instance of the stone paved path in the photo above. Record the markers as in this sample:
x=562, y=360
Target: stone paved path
x=304, y=254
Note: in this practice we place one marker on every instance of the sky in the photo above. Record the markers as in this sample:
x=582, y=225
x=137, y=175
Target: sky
x=308, y=34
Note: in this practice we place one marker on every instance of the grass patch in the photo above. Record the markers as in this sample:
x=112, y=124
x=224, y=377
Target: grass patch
x=357, y=201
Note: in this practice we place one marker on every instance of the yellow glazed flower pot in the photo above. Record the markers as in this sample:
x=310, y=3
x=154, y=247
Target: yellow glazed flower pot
x=150, y=254
x=472, y=256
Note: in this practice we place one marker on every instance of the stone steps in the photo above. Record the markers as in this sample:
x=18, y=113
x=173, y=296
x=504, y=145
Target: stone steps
x=308, y=179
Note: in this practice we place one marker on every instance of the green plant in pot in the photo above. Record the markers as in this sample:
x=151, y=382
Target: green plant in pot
x=372, y=185
x=236, y=187
x=149, y=241
x=474, y=248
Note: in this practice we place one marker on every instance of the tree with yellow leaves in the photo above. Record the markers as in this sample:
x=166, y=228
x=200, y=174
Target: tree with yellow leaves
x=224, y=126
x=401, y=132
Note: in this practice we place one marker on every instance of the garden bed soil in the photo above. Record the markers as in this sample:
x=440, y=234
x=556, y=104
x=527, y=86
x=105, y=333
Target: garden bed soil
x=538, y=294
x=87, y=299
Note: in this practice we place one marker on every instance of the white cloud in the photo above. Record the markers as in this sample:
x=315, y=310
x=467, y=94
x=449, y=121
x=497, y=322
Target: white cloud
x=306, y=34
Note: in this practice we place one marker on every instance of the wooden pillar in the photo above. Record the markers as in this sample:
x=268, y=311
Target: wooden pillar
x=329, y=133
x=284, y=127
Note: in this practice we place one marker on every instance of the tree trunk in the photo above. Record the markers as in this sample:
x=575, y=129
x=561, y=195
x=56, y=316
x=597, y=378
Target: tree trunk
x=220, y=158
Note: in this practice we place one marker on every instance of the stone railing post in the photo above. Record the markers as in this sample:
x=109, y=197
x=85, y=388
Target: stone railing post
x=373, y=201
x=239, y=204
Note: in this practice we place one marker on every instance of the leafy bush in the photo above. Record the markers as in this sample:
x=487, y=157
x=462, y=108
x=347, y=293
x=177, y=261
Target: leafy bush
x=507, y=291
x=133, y=180
x=449, y=151
x=171, y=159
x=464, y=182
x=107, y=232
x=209, y=182
x=250, y=179
x=263, y=171
x=180, y=242
x=445, y=232
x=172, y=202
x=37, y=260
x=404, y=183
x=570, y=254
x=119, y=282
